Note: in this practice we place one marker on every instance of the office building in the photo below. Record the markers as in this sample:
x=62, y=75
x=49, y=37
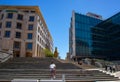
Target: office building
x=80, y=42
x=23, y=31
x=91, y=36
x=106, y=38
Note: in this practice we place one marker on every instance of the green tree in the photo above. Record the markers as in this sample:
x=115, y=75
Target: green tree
x=48, y=53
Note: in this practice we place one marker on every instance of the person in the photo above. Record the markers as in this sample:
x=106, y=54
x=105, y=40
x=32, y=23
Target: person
x=113, y=68
x=106, y=68
x=53, y=70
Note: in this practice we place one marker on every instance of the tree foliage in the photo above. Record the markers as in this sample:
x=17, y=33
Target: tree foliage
x=48, y=53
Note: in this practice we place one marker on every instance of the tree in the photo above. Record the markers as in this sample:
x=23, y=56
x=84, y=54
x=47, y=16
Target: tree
x=48, y=53
x=56, y=52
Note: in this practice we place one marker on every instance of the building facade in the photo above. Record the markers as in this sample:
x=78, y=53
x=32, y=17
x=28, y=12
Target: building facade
x=23, y=30
x=80, y=42
x=93, y=37
x=106, y=38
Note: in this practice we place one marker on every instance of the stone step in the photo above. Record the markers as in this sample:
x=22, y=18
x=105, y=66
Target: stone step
x=38, y=68
x=58, y=76
x=35, y=63
x=69, y=75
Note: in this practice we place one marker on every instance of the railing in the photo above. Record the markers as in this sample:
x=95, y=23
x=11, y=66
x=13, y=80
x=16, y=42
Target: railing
x=4, y=56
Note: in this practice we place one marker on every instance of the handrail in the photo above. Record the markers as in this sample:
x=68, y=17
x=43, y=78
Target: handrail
x=6, y=57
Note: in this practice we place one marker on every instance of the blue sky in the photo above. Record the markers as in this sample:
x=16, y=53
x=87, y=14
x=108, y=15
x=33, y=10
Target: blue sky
x=57, y=14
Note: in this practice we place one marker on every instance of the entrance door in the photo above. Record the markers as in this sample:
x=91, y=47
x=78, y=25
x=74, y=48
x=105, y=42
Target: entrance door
x=16, y=53
x=28, y=54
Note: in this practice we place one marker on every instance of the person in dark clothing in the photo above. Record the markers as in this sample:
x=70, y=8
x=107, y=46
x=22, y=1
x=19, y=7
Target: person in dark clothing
x=113, y=68
x=106, y=68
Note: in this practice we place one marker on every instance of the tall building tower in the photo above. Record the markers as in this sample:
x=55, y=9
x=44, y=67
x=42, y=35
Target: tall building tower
x=23, y=30
x=80, y=37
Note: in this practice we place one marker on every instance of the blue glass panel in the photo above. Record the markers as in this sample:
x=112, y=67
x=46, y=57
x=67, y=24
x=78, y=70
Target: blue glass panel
x=29, y=46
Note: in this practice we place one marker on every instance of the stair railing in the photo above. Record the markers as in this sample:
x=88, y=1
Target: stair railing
x=4, y=56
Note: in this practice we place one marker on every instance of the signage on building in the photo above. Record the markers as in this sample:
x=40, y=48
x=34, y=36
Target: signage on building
x=94, y=15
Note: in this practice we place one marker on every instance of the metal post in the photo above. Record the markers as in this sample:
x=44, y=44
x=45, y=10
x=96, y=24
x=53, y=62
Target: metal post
x=63, y=77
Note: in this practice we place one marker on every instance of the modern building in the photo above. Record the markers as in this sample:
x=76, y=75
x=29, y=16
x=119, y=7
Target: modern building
x=23, y=30
x=90, y=36
x=80, y=42
x=106, y=38
x=67, y=56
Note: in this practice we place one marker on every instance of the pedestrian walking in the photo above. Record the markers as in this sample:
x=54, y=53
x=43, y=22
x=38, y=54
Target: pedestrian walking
x=53, y=70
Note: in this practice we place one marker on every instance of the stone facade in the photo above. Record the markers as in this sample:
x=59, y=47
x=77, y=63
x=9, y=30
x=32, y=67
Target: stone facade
x=23, y=30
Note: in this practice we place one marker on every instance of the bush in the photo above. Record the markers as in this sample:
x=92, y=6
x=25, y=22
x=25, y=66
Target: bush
x=48, y=53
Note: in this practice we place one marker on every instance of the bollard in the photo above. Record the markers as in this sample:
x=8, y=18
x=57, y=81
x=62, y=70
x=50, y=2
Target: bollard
x=63, y=77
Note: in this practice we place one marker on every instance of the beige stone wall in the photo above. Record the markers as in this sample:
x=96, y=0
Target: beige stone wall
x=38, y=46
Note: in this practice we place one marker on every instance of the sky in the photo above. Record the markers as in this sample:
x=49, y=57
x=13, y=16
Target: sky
x=57, y=14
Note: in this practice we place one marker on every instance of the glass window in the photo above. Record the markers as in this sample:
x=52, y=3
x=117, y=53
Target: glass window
x=0, y=25
x=29, y=46
x=10, y=15
x=18, y=35
x=31, y=18
x=20, y=17
x=32, y=11
x=26, y=11
x=38, y=37
x=30, y=27
x=2, y=16
x=19, y=26
x=39, y=29
x=8, y=24
x=7, y=34
x=17, y=45
x=30, y=35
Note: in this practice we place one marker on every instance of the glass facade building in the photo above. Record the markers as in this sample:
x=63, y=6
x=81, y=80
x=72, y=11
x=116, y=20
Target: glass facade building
x=80, y=37
x=93, y=37
x=106, y=38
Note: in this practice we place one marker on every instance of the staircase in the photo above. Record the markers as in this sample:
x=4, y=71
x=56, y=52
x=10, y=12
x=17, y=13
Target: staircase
x=38, y=68
x=35, y=63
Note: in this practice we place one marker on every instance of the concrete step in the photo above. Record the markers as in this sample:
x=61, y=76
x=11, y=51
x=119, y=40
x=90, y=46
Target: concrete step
x=38, y=68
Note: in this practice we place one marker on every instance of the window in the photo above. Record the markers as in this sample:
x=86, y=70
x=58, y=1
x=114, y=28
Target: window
x=29, y=46
x=17, y=45
x=10, y=15
x=32, y=11
x=7, y=34
x=30, y=35
x=2, y=16
x=30, y=27
x=0, y=33
x=19, y=26
x=18, y=35
x=39, y=29
x=8, y=24
x=31, y=18
x=38, y=37
x=20, y=17
x=0, y=25
x=26, y=11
